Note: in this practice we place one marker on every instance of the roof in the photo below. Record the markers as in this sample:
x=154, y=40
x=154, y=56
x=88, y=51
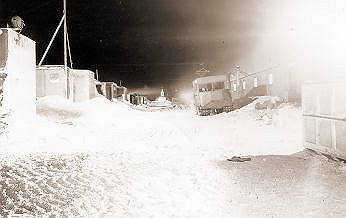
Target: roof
x=210, y=79
x=51, y=67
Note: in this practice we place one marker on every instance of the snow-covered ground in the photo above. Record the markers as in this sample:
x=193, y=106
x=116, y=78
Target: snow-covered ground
x=100, y=158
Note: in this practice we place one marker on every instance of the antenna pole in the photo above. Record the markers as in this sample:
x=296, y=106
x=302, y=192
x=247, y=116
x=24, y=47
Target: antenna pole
x=65, y=52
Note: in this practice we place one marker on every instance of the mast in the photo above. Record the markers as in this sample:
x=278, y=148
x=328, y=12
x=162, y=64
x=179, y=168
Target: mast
x=65, y=52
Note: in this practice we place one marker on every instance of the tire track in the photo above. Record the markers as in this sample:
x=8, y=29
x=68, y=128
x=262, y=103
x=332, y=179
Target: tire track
x=62, y=185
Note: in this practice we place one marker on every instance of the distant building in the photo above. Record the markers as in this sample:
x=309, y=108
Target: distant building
x=107, y=89
x=121, y=93
x=276, y=82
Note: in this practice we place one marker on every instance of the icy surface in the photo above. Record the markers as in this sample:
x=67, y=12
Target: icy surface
x=100, y=158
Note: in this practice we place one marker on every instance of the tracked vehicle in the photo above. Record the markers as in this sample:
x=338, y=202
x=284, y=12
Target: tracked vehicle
x=212, y=95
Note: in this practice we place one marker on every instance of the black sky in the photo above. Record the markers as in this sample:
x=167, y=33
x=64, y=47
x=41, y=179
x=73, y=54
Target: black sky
x=144, y=42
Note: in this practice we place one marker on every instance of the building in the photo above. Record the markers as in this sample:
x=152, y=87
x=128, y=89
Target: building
x=17, y=69
x=77, y=85
x=121, y=93
x=280, y=82
x=108, y=89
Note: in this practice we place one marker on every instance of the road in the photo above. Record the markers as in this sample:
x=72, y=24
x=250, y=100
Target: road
x=300, y=185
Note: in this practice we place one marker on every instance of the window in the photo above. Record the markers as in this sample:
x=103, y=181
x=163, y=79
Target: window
x=255, y=82
x=270, y=79
x=234, y=87
x=205, y=87
x=54, y=77
x=218, y=85
x=202, y=87
x=244, y=84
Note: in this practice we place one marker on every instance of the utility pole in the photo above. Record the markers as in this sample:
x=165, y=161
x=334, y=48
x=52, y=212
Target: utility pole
x=65, y=52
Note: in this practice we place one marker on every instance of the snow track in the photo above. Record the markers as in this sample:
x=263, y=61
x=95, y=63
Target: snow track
x=64, y=185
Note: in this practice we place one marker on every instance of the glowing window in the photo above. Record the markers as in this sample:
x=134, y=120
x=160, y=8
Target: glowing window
x=244, y=84
x=234, y=87
x=255, y=82
x=270, y=79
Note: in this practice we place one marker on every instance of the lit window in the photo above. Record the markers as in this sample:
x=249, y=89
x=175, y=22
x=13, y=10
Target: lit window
x=270, y=79
x=234, y=87
x=255, y=82
x=244, y=84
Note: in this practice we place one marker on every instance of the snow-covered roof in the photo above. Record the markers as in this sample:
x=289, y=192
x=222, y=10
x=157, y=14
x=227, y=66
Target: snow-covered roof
x=43, y=67
x=209, y=79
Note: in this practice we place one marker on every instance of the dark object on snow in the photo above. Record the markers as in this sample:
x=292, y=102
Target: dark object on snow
x=239, y=159
x=16, y=23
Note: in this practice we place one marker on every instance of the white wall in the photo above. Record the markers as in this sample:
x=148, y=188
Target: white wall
x=20, y=84
x=51, y=80
x=81, y=82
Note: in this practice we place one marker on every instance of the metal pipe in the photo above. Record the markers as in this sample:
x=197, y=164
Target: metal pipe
x=51, y=41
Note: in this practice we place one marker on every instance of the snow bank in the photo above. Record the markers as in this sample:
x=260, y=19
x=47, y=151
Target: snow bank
x=99, y=124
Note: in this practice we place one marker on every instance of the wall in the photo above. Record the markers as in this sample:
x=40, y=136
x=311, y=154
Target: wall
x=17, y=60
x=324, y=114
x=82, y=84
x=51, y=80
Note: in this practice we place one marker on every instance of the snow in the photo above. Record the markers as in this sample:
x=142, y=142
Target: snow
x=123, y=162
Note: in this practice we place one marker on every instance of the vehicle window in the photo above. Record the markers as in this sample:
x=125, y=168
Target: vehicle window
x=218, y=85
x=205, y=87
x=202, y=87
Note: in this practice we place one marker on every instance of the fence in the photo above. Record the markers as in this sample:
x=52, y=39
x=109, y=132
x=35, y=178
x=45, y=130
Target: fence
x=324, y=115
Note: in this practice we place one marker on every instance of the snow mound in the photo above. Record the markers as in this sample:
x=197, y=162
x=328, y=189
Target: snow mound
x=57, y=107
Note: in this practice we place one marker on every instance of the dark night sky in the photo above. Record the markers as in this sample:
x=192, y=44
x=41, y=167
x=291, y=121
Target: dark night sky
x=160, y=42
x=141, y=41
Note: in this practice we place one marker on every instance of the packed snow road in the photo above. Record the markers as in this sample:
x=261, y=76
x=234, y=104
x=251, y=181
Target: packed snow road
x=107, y=159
